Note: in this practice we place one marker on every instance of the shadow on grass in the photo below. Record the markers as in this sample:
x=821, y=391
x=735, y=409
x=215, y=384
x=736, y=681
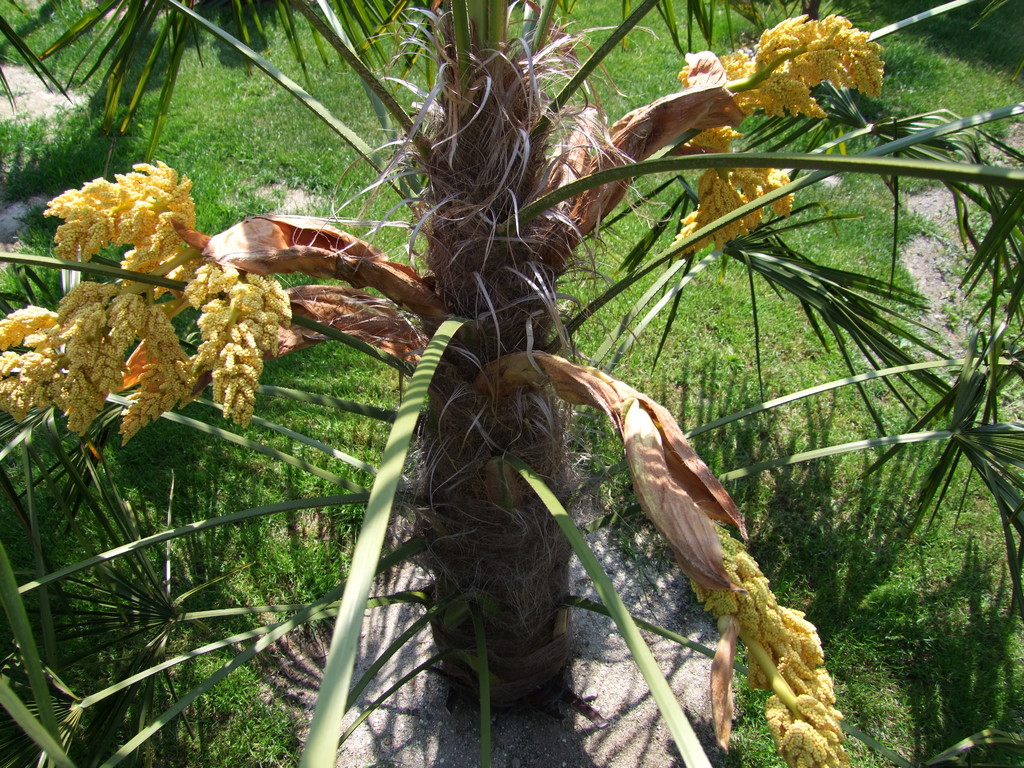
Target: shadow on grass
x=914, y=626
x=996, y=42
x=49, y=160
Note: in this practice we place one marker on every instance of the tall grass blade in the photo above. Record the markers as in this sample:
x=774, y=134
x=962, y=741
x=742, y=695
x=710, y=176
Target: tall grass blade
x=397, y=686
x=668, y=634
x=322, y=743
x=410, y=632
x=593, y=61
x=898, y=370
x=326, y=610
x=960, y=753
x=894, y=757
x=863, y=163
x=179, y=33
x=370, y=351
x=686, y=740
x=302, y=617
x=38, y=554
x=253, y=445
x=298, y=437
x=484, y=683
x=628, y=337
x=337, y=403
x=90, y=268
x=836, y=450
x=333, y=32
x=931, y=13
x=621, y=335
x=29, y=57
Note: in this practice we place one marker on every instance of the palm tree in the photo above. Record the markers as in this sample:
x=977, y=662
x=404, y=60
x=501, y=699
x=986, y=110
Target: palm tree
x=511, y=174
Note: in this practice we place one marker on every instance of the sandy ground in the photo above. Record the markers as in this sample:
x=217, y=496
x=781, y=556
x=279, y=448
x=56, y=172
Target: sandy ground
x=415, y=728
x=31, y=97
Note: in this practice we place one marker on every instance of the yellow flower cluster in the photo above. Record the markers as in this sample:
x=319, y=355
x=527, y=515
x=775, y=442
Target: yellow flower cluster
x=139, y=209
x=240, y=317
x=791, y=58
x=788, y=656
x=96, y=327
x=164, y=372
x=811, y=51
x=797, y=55
x=722, y=191
x=74, y=358
x=33, y=377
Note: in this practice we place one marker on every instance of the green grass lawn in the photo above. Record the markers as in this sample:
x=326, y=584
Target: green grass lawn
x=918, y=629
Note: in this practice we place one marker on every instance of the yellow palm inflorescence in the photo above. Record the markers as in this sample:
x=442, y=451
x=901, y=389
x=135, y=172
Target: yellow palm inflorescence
x=806, y=52
x=785, y=656
x=723, y=191
x=74, y=358
x=240, y=318
x=139, y=209
x=33, y=377
x=791, y=58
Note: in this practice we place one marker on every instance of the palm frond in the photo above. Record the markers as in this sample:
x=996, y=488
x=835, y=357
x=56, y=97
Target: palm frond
x=322, y=743
x=685, y=739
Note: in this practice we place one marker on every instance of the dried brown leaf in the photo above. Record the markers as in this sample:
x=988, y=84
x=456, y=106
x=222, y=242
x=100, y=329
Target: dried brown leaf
x=675, y=487
x=588, y=135
x=644, y=131
x=669, y=506
x=691, y=472
x=359, y=314
x=137, y=362
x=192, y=237
x=280, y=244
x=721, y=679
x=705, y=68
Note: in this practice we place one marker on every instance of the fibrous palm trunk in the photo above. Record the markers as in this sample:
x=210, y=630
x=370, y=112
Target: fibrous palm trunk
x=489, y=150
x=491, y=542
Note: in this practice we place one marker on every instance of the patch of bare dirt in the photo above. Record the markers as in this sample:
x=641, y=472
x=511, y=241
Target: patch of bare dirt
x=293, y=202
x=931, y=259
x=12, y=218
x=935, y=259
x=30, y=99
x=416, y=729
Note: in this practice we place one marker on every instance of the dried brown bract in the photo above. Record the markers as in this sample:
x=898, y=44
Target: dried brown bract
x=674, y=486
